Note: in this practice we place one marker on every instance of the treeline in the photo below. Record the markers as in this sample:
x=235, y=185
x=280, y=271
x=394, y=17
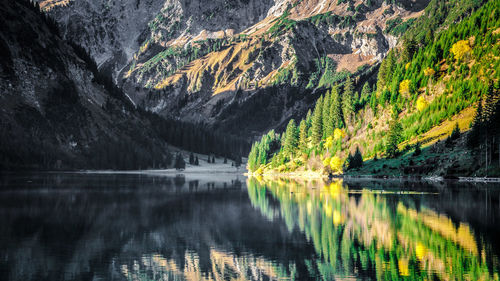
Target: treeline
x=484, y=136
x=320, y=133
x=197, y=138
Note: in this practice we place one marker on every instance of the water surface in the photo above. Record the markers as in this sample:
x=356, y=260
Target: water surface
x=153, y=227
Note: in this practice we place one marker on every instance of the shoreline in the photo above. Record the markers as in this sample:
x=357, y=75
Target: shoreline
x=312, y=175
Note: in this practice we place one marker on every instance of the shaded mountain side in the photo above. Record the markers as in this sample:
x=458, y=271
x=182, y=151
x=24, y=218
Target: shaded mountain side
x=59, y=112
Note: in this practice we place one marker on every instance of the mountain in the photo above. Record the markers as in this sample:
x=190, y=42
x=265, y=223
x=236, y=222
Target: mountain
x=59, y=112
x=433, y=110
x=242, y=67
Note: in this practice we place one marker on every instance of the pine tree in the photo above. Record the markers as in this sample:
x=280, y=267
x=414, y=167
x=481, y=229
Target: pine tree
x=196, y=161
x=302, y=136
x=365, y=92
x=191, y=158
x=327, y=124
x=335, y=110
x=348, y=100
x=317, y=122
x=179, y=162
x=291, y=138
x=394, y=137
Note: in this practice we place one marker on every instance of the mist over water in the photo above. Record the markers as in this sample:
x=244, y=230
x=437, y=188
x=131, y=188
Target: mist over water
x=153, y=227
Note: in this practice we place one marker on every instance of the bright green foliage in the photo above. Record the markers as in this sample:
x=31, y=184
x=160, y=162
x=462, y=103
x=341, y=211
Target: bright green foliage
x=263, y=150
x=348, y=100
x=394, y=138
x=407, y=82
x=317, y=122
x=291, y=138
x=327, y=121
x=336, y=109
x=302, y=136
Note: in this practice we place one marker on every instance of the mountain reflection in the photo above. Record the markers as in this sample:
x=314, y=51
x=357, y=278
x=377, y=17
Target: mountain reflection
x=152, y=227
x=365, y=234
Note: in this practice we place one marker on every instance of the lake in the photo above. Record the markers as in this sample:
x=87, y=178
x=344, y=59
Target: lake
x=69, y=226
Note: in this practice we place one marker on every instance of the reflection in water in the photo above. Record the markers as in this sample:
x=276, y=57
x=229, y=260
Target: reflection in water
x=361, y=233
x=140, y=227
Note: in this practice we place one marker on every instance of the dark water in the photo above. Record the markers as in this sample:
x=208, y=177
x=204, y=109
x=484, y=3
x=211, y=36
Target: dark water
x=144, y=227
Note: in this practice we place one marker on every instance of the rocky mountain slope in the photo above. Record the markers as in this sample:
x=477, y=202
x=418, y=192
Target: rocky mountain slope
x=242, y=66
x=57, y=112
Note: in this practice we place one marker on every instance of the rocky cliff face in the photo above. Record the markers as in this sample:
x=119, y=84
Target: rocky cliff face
x=55, y=111
x=210, y=61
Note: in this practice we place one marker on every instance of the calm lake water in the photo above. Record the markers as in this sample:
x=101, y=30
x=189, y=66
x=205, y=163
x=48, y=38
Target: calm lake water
x=151, y=227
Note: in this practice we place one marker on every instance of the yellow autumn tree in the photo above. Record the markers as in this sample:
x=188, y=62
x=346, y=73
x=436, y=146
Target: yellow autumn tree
x=336, y=164
x=429, y=71
x=404, y=87
x=421, y=103
x=338, y=134
x=460, y=49
x=328, y=142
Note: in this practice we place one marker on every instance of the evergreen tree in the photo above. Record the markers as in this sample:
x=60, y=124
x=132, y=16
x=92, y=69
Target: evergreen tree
x=191, y=158
x=291, y=138
x=365, y=92
x=302, y=136
x=348, y=100
x=418, y=149
x=393, y=139
x=213, y=159
x=225, y=160
x=335, y=110
x=179, y=162
x=237, y=161
x=477, y=126
x=317, y=122
x=196, y=161
x=327, y=122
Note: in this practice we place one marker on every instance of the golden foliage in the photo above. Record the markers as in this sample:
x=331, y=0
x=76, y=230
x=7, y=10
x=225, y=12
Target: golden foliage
x=403, y=267
x=338, y=134
x=407, y=65
x=336, y=164
x=328, y=142
x=404, y=87
x=429, y=71
x=460, y=49
x=421, y=103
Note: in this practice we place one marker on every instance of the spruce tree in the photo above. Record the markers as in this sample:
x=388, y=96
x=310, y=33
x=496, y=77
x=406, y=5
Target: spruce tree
x=196, y=161
x=179, y=162
x=336, y=109
x=326, y=115
x=302, y=136
x=393, y=139
x=348, y=100
x=317, y=122
x=291, y=138
x=191, y=158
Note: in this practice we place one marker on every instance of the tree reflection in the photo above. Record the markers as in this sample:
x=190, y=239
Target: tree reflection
x=362, y=233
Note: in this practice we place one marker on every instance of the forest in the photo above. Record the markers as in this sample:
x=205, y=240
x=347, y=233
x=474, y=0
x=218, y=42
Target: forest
x=429, y=78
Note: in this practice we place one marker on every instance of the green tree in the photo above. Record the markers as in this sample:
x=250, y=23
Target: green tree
x=326, y=115
x=393, y=139
x=317, y=122
x=348, y=100
x=302, y=136
x=336, y=110
x=291, y=138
